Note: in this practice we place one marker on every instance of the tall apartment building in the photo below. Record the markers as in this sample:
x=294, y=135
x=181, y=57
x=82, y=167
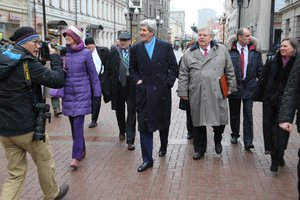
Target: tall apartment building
x=177, y=24
x=206, y=15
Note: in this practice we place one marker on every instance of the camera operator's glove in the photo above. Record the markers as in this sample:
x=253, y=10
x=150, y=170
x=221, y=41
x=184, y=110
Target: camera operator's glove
x=96, y=102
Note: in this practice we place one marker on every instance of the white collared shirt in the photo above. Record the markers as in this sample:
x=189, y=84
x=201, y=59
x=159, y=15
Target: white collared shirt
x=202, y=50
x=97, y=61
x=246, y=53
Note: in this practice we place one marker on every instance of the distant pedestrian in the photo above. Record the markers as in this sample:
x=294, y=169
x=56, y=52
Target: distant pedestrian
x=122, y=90
x=275, y=76
x=81, y=82
x=55, y=101
x=100, y=55
x=153, y=67
x=201, y=67
x=247, y=61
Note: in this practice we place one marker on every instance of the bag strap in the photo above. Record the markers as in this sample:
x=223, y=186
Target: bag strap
x=28, y=80
x=27, y=74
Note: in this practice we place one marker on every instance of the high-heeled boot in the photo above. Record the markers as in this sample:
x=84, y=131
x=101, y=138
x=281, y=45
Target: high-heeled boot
x=274, y=162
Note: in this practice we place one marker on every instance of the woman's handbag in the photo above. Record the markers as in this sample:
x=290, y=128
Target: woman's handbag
x=58, y=93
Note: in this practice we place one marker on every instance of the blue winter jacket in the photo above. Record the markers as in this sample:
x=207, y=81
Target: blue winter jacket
x=81, y=80
x=246, y=87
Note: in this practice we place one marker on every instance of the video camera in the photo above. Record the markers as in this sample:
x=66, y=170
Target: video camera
x=44, y=50
x=42, y=110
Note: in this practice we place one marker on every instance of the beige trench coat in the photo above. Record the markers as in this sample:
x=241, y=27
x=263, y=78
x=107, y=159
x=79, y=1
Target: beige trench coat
x=199, y=80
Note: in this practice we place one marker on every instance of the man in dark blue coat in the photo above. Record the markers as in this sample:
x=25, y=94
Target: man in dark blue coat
x=246, y=58
x=154, y=69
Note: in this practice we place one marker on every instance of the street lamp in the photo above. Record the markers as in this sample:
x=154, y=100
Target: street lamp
x=240, y=5
x=159, y=21
x=194, y=29
x=222, y=21
x=129, y=12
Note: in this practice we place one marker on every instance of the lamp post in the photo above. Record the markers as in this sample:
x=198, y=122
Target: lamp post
x=239, y=5
x=194, y=29
x=130, y=11
x=159, y=21
x=222, y=21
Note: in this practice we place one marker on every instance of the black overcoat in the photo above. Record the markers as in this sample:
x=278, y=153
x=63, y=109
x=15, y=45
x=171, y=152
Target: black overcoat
x=114, y=62
x=291, y=97
x=103, y=54
x=158, y=75
x=276, y=80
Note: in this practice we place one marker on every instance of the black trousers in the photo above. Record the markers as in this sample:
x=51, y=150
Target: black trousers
x=95, y=109
x=235, y=114
x=189, y=123
x=127, y=95
x=200, y=137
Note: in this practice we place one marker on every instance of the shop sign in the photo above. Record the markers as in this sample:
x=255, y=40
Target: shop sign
x=15, y=18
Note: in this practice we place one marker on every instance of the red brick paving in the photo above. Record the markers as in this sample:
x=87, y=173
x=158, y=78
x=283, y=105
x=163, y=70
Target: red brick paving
x=109, y=171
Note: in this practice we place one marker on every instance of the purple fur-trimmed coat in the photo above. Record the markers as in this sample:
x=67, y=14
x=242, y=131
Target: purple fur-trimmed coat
x=80, y=80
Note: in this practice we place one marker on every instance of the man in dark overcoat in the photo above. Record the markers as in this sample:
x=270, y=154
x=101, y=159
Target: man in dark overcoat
x=154, y=69
x=122, y=89
x=100, y=55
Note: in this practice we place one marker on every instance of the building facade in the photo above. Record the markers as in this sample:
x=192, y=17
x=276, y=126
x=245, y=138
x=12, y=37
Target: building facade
x=290, y=19
x=177, y=25
x=13, y=14
x=101, y=19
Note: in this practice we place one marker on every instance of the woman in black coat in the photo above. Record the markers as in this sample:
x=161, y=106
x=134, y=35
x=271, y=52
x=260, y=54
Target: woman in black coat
x=274, y=77
x=289, y=104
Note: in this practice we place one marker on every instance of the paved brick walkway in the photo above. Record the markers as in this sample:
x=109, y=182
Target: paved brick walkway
x=109, y=171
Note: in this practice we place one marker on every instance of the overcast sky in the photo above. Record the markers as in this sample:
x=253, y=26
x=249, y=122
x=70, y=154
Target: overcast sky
x=191, y=9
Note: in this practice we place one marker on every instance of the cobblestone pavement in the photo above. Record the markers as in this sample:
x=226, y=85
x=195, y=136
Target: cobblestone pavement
x=109, y=171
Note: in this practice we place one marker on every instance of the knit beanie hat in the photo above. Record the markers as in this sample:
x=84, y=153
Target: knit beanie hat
x=88, y=41
x=74, y=32
x=23, y=35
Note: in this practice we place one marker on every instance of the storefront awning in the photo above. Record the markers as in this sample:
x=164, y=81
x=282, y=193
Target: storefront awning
x=57, y=23
x=92, y=26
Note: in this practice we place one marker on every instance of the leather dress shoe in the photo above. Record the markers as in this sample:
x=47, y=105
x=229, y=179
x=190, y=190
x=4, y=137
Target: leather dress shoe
x=122, y=136
x=189, y=136
x=248, y=147
x=198, y=155
x=93, y=124
x=162, y=152
x=234, y=140
x=144, y=166
x=218, y=148
x=63, y=190
x=131, y=147
x=57, y=113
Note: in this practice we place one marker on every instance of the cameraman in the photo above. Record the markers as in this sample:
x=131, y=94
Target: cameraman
x=18, y=99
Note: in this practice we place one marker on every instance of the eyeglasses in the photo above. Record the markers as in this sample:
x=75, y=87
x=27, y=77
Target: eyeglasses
x=37, y=42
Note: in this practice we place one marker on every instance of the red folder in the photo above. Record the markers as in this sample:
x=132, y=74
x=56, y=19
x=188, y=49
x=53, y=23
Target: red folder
x=224, y=85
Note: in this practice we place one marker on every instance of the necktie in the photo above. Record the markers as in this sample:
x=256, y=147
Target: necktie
x=126, y=57
x=205, y=52
x=242, y=62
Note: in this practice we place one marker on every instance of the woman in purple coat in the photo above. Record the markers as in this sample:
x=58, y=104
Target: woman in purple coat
x=80, y=80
